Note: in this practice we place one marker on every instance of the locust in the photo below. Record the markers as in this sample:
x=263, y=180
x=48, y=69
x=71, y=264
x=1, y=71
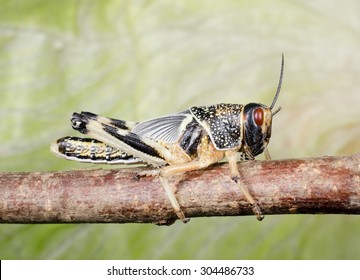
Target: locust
x=177, y=143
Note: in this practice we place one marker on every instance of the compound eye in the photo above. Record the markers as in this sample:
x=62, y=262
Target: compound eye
x=259, y=116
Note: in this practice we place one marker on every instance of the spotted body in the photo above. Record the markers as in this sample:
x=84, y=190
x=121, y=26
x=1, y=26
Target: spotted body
x=221, y=122
x=175, y=143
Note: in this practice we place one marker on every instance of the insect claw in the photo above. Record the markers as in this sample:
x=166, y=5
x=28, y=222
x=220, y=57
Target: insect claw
x=185, y=220
x=137, y=177
x=257, y=211
x=181, y=216
x=235, y=178
x=165, y=222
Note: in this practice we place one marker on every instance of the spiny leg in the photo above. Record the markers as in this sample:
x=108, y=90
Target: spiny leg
x=235, y=176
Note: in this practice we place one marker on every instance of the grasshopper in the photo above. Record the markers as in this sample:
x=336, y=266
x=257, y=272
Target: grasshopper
x=189, y=140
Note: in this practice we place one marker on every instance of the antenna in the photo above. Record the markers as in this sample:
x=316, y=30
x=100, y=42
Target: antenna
x=279, y=86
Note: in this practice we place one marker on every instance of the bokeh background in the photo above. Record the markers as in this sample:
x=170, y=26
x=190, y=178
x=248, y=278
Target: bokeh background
x=136, y=60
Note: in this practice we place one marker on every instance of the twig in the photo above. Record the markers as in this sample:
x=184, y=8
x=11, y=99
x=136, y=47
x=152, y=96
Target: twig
x=326, y=185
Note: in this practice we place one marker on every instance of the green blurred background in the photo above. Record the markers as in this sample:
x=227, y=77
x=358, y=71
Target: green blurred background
x=136, y=60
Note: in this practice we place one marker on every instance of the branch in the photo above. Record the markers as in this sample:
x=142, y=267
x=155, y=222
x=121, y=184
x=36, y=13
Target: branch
x=326, y=185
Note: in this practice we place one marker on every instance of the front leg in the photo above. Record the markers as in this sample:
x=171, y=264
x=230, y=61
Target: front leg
x=235, y=176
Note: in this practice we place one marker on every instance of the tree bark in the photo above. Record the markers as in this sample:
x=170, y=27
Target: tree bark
x=326, y=185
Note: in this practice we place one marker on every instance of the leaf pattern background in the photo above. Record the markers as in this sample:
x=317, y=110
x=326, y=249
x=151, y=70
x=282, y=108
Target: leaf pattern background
x=137, y=60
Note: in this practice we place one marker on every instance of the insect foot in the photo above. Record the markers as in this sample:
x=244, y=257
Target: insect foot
x=256, y=209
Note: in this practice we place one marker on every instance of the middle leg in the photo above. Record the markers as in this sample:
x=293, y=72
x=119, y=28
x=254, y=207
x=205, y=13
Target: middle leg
x=172, y=170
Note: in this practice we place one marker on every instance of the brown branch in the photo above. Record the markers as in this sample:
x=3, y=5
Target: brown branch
x=327, y=185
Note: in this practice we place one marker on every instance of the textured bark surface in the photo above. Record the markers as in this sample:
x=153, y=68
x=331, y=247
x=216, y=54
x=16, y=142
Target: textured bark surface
x=326, y=185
